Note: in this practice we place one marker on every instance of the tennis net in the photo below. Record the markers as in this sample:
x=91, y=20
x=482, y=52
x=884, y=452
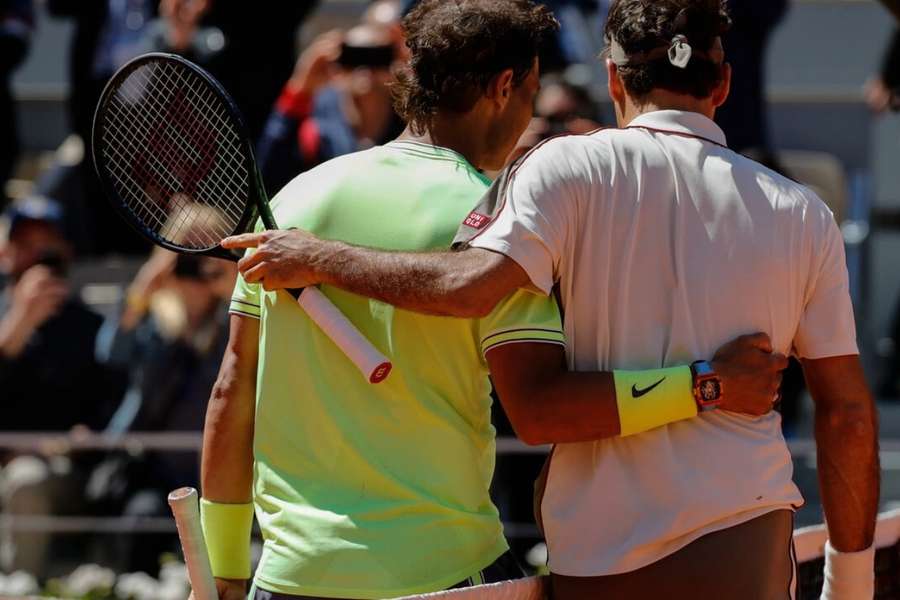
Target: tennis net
x=809, y=543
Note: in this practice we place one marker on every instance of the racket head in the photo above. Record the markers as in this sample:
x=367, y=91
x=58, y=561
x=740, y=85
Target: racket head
x=174, y=157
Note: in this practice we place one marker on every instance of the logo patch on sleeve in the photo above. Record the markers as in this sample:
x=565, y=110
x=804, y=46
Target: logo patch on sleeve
x=476, y=220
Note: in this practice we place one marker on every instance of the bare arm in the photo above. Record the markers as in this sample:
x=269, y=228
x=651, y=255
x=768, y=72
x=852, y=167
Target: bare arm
x=227, y=463
x=460, y=284
x=547, y=404
x=226, y=469
x=847, y=441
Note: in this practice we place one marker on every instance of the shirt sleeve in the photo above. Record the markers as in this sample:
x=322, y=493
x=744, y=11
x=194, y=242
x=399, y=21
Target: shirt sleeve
x=528, y=214
x=827, y=325
x=246, y=300
x=521, y=317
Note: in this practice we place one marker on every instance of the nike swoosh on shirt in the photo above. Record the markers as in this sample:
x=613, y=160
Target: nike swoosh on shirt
x=636, y=393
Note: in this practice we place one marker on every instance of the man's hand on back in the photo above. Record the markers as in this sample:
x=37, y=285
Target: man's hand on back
x=751, y=374
x=282, y=260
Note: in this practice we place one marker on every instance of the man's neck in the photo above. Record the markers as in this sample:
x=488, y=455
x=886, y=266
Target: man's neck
x=664, y=100
x=459, y=134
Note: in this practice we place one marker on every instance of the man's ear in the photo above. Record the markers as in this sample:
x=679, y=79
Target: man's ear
x=720, y=94
x=616, y=87
x=500, y=87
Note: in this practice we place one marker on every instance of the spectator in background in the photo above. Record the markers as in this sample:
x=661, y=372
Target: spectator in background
x=882, y=90
x=48, y=376
x=389, y=13
x=108, y=33
x=561, y=107
x=336, y=102
x=249, y=50
x=16, y=23
x=170, y=336
x=260, y=43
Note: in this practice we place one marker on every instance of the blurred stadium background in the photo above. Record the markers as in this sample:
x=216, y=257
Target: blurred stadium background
x=84, y=498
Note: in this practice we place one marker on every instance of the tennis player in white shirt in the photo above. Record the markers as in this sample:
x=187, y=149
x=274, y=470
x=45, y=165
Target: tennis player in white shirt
x=661, y=244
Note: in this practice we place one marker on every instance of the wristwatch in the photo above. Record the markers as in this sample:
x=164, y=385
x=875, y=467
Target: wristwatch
x=707, y=386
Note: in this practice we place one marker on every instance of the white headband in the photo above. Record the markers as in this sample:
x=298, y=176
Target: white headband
x=679, y=52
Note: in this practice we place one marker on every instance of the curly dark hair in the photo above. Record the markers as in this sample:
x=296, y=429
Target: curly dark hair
x=642, y=25
x=458, y=46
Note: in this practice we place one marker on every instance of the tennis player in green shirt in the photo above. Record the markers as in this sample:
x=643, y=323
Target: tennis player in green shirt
x=366, y=491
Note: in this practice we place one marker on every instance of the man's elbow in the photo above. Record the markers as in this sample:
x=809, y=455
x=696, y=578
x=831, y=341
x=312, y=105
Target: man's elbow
x=527, y=424
x=470, y=288
x=532, y=435
x=468, y=298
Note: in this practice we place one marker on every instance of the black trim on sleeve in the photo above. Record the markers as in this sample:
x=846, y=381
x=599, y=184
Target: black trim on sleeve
x=522, y=329
x=245, y=302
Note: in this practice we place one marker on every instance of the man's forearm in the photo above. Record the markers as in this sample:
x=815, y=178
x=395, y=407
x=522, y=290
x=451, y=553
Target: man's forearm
x=227, y=465
x=226, y=471
x=848, y=474
x=548, y=404
x=464, y=284
x=570, y=408
x=847, y=442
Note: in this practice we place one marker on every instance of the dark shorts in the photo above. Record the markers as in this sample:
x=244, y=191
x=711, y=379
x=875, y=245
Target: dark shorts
x=751, y=561
x=506, y=567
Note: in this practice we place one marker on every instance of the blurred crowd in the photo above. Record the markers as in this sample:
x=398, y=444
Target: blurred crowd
x=150, y=365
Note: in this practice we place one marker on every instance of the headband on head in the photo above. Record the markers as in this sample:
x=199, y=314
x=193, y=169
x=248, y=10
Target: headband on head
x=679, y=53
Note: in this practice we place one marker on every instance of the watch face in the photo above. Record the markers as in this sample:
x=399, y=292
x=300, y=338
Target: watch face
x=710, y=390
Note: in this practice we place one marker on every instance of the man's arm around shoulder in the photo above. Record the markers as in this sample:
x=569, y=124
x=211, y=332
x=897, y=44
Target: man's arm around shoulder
x=548, y=404
x=466, y=284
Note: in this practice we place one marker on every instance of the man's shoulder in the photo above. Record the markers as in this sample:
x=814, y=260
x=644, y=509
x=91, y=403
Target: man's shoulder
x=324, y=178
x=569, y=154
x=784, y=193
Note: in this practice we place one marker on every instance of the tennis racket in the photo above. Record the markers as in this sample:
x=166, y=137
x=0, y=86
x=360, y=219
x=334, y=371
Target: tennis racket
x=174, y=158
x=185, y=506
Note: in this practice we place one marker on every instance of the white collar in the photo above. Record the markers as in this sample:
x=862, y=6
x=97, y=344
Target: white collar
x=681, y=122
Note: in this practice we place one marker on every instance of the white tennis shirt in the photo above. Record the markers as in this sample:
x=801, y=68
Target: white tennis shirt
x=665, y=245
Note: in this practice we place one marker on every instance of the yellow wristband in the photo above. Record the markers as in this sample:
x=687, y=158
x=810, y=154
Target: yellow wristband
x=226, y=529
x=651, y=399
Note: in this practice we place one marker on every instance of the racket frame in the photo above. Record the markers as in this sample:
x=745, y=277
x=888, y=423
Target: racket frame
x=374, y=365
x=257, y=205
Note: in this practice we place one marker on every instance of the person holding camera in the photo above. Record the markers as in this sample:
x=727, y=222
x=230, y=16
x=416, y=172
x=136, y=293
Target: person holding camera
x=48, y=376
x=170, y=336
x=336, y=102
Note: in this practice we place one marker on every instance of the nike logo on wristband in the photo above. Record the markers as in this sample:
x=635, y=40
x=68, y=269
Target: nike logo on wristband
x=636, y=393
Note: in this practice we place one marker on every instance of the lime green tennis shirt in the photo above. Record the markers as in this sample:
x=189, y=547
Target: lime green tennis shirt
x=376, y=491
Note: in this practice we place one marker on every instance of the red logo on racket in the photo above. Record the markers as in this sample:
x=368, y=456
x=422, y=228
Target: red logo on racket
x=181, y=152
x=476, y=220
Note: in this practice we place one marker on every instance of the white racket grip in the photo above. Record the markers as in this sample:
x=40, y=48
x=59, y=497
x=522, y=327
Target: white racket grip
x=374, y=365
x=185, y=504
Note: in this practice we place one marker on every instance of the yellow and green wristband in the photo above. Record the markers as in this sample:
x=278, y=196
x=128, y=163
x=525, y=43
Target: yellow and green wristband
x=651, y=399
x=226, y=529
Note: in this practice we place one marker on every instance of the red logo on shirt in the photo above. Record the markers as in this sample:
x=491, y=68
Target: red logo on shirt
x=476, y=220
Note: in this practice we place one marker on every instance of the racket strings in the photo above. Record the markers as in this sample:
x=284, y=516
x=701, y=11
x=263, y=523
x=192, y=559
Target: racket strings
x=174, y=155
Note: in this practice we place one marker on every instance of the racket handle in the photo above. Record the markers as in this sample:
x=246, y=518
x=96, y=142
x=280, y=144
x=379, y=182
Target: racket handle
x=374, y=365
x=185, y=505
